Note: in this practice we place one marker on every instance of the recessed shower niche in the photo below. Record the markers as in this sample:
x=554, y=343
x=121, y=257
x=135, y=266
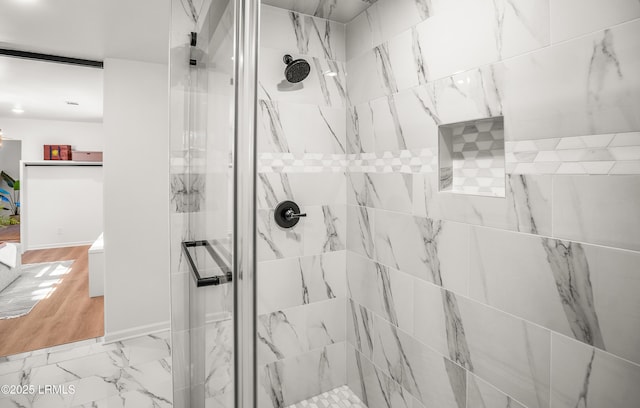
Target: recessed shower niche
x=471, y=157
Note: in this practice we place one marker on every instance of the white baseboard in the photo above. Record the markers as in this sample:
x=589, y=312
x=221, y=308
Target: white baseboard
x=156, y=328
x=136, y=332
x=57, y=245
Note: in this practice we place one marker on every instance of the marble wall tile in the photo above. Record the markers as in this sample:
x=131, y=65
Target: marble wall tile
x=526, y=207
x=470, y=40
x=594, y=15
x=218, y=359
x=222, y=398
x=481, y=394
x=293, y=282
x=417, y=117
x=430, y=324
x=595, y=73
x=360, y=331
x=469, y=95
x=360, y=233
x=507, y=352
x=585, y=376
x=386, y=69
x=290, y=31
x=326, y=322
x=317, y=89
x=282, y=334
x=597, y=209
x=360, y=137
x=306, y=189
x=478, y=33
x=431, y=378
x=367, y=78
x=406, y=120
x=393, y=17
x=564, y=286
x=382, y=290
x=341, y=11
x=510, y=354
x=374, y=388
x=291, y=380
x=274, y=242
x=187, y=192
x=300, y=128
x=359, y=34
x=389, y=191
x=432, y=250
x=419, y=110
x=325, y=229
x=295, y=331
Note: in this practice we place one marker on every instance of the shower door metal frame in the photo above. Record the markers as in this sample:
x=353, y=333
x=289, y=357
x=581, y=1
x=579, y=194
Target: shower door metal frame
x=247, y=29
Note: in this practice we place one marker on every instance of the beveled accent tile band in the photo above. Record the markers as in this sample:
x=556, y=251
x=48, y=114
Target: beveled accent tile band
x=595, y=154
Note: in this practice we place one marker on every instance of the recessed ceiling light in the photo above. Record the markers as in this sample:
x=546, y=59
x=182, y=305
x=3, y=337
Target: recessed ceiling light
x=17, y=110
x=72, y=103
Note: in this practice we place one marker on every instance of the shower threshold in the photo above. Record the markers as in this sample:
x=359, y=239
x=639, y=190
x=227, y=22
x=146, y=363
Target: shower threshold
x=341, y=397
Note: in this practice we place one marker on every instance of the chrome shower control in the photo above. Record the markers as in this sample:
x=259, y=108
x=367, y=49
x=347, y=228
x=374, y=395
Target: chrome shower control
x=287, y=214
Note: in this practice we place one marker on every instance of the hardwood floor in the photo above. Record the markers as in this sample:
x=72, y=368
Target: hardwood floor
x=67, y=315
x=10, y=233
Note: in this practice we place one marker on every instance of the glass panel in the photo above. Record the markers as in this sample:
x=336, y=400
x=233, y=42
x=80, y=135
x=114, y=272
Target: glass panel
x=205, y=192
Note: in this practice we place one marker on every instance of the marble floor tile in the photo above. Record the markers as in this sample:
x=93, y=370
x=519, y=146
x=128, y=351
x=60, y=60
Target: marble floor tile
x=94, y=374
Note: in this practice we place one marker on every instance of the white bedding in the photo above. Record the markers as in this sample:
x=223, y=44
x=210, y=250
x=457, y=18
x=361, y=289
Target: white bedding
x=9, y=274
x=9, y=255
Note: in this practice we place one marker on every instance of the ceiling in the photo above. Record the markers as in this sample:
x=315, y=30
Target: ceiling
x=87, y=29
x=42, y=90
x=342, y=11
x=97, y=30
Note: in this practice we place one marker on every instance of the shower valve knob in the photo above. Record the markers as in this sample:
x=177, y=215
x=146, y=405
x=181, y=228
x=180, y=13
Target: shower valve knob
x=290, y=214
x=287, y=214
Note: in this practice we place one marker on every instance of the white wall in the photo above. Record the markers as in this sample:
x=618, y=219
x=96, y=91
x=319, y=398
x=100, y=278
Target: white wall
x=34, y=133
x=136, y=191
x=61, y=206
x=10, y=158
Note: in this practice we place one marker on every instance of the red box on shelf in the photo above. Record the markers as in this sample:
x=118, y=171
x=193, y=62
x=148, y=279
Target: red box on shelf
x=86, y=156
x=57, y=152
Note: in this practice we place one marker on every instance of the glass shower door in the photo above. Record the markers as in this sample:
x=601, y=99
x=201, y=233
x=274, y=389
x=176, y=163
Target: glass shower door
x=213, y=88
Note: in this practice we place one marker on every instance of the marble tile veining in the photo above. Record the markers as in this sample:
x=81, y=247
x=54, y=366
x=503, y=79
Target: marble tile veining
x=585, y=376
x=130, y=373
x=564, y=286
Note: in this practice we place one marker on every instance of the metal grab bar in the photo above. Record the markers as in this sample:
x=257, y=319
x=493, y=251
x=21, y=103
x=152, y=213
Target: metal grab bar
x=201, y=280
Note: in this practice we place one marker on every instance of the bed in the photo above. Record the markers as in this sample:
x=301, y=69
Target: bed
x=10, y=264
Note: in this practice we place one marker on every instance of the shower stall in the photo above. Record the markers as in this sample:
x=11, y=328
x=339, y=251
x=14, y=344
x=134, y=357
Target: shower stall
x=405, y=203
